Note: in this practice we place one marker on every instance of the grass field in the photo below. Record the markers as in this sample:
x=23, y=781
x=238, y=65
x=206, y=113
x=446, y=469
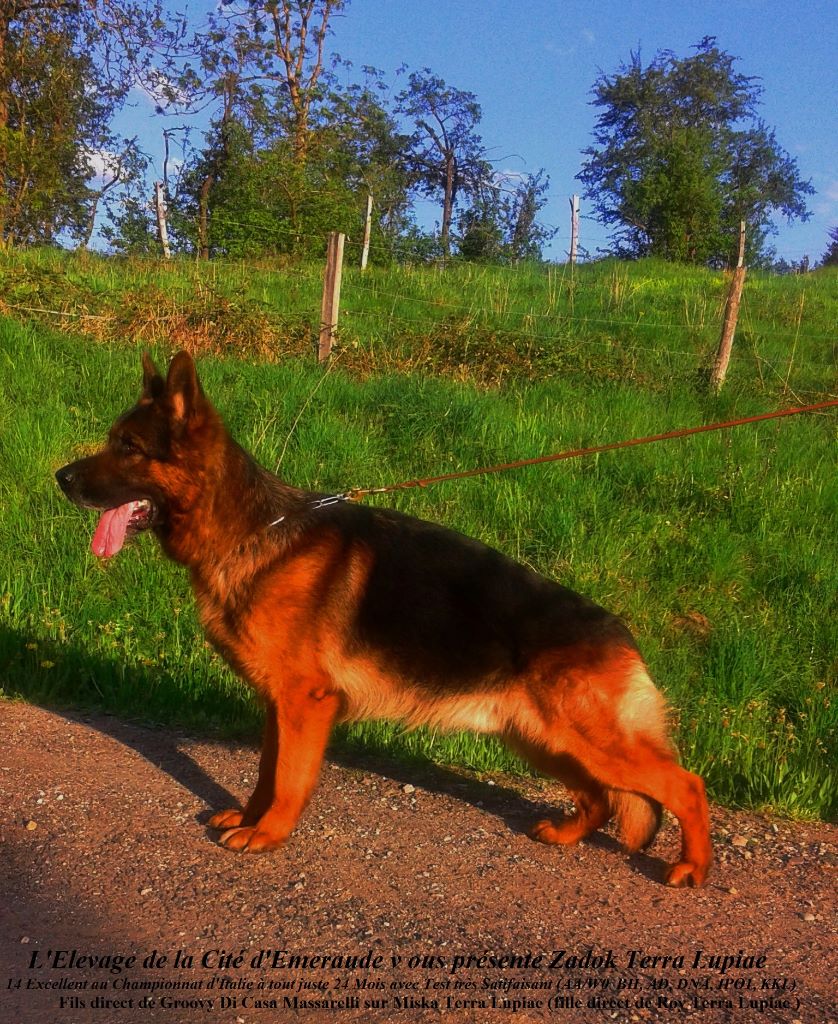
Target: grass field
x=716, y=549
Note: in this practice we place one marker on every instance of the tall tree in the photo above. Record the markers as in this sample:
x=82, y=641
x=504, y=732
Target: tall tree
x=280, y=55
x=263, y=201
x=64, y=69
x=481, y=224
x=365, y=136
x=262, y=69
x=119, y=176
x=216, y=157
x=299, y=29
x=526, y=234
x=446, y=153
x=680, y=157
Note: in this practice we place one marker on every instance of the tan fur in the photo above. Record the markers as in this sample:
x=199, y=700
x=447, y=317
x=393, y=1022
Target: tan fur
x=641, y=710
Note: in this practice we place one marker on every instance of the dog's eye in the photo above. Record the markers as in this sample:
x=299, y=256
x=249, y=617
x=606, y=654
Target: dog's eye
x=129, y=446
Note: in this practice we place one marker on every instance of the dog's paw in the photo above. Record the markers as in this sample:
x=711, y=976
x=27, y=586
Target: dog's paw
x=226, y=819
x=684, y=875
x=543, y=831
x=249, y=839
x=561, y=833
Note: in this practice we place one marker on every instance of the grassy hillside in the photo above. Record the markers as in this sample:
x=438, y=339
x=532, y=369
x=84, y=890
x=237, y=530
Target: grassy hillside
x=717, y=550
x=654, y=323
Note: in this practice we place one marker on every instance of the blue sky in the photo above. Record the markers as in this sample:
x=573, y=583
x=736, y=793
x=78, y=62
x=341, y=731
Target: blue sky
x=531, y=64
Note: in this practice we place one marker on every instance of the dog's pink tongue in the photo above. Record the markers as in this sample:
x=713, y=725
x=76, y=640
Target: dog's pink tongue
x=110, y=532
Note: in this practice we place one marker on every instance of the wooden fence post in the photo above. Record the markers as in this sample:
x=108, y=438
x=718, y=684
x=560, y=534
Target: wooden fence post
x=365, y=248
x=574, y=227
x=734, y=297
x=160, y=211
x=331, y=295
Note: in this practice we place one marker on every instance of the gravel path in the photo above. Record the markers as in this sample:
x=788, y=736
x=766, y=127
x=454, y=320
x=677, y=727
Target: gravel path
x=419, y=892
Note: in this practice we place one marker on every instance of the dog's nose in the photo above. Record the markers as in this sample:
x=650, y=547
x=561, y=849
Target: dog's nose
x=64, y=476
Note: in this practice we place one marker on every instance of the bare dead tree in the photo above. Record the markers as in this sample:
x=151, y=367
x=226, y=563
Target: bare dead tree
x=299, y=34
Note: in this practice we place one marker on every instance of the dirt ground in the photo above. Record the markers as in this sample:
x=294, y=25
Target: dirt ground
x=419, y=892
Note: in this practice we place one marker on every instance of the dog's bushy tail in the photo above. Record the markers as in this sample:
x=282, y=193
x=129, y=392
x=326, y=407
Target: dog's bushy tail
x=643, y=715
x=638, y=818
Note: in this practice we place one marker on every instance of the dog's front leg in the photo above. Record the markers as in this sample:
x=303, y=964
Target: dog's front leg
x=263, y=794
x=296, y=733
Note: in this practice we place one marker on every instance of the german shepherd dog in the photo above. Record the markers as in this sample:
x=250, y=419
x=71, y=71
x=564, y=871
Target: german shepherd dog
x=344, y=612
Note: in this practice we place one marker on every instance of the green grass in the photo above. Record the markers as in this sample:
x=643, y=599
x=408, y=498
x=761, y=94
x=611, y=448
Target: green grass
x=654, y=323
x=718, y=549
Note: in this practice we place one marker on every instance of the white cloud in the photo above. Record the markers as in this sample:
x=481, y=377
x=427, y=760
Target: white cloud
x=567, y=51
x=103, y=163
x=560, y=51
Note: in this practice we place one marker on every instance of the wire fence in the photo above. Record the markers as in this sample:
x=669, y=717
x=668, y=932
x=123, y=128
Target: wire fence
x=542, y=317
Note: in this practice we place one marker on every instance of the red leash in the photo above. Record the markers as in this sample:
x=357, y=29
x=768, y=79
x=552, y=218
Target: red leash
x=360, y=492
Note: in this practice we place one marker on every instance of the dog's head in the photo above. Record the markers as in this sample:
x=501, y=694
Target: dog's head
x=148, y=470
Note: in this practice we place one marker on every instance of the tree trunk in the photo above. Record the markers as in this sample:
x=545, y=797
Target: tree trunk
x=300, y=143
x=302, y=69
x=89, y=225
x=216, y=165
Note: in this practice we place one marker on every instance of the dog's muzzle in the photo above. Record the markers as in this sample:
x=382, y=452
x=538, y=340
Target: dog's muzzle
x=65, y=477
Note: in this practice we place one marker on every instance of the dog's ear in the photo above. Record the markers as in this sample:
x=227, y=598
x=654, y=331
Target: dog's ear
x=153, y=384
x=183, y=389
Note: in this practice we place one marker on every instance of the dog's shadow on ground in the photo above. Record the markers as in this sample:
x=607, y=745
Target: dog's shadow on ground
x=517, y=811
x=164, y=748
x=167, y=750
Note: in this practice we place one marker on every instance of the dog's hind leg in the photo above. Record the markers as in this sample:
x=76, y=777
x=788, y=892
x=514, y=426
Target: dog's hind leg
x=610, y=720
x=626, y=747
x=591, y=813
x=655, y=774
x=590, y=798
x=303, y=717
x=597, y=779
